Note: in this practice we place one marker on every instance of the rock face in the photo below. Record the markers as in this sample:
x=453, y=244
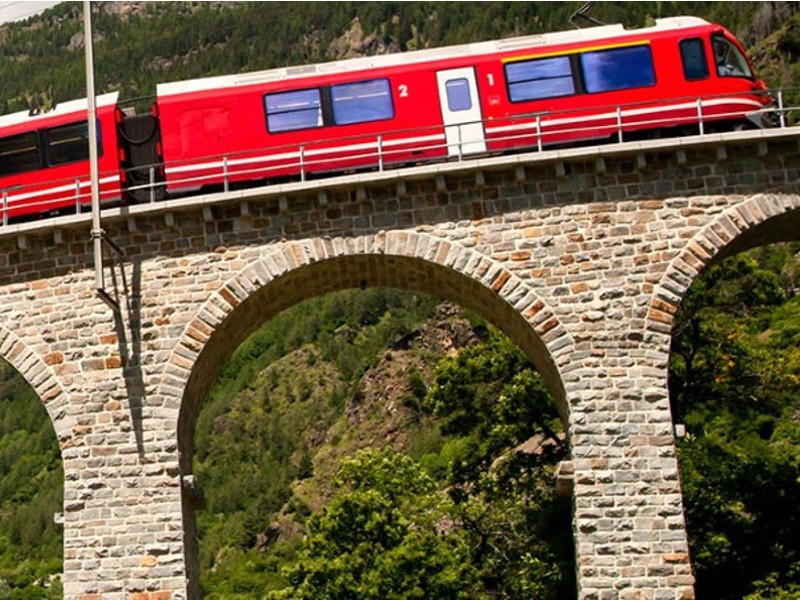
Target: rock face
x=354, y=43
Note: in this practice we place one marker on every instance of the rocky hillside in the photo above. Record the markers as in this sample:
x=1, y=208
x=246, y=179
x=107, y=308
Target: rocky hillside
x=138, y=44
x=306, y=411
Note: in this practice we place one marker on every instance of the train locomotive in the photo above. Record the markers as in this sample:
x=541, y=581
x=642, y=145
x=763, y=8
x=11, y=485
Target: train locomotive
x=585, y=86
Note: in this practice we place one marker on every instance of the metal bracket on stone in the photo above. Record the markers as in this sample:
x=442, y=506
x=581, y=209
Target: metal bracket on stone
x=565, y=478
x=191, y=488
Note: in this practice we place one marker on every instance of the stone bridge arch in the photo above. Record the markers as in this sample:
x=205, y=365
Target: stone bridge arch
x=38, y=372
x=289, y=273
x=757, y=220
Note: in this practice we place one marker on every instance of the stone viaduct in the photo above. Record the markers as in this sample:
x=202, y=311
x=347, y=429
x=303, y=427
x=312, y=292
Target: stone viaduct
x=581, y=256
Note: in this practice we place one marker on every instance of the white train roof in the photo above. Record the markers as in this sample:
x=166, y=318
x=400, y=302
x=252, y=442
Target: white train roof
x=404, y=58
x=62, y=108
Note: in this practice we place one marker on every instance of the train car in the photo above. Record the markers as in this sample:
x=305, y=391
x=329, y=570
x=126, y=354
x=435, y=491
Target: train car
x=44, y=160
x=580, y=86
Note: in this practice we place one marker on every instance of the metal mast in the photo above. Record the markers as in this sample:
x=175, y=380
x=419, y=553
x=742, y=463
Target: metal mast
x=97, y=231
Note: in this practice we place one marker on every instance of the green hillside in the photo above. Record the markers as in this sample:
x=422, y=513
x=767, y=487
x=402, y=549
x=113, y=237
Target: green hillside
x=375, y=370
x=141, y=43
x=31, y=492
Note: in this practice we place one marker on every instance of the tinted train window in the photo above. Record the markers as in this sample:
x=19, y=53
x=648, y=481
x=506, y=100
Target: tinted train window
x=19, y=153
x=458, y=95
x=288, y=111
x=69, y=143
x=540, y=78
x=729, y=61
x=362, y=102
x=618, y=69
x=693, y=57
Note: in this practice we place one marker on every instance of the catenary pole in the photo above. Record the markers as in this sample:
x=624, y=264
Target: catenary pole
x=97, y=231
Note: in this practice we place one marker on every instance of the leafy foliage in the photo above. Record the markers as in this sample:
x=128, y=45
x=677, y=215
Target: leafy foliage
x=492, y=392
x=274, y=404
x=31, y=483
x=735, y=379
x=379, y=539
x=502, y=480
x=480, y=521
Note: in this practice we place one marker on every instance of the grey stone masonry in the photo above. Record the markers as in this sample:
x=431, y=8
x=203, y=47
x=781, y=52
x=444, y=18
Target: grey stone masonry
x=580, y=256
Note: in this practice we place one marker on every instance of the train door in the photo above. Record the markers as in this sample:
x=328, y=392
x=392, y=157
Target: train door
x=461, y=111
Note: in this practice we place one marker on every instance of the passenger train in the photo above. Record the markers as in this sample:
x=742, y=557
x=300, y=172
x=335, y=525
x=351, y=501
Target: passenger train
x=527, y=93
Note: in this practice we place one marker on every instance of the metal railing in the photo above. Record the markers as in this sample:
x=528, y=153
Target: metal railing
x=398, y=148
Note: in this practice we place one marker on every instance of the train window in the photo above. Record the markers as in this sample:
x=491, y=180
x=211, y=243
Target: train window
x=288, y=111
x=19, y=153
x=69, y=143
x=362, y=102
x=540, y=78
x=693, y=57
x=618, y=69
x=729, y=60
x=458, y=95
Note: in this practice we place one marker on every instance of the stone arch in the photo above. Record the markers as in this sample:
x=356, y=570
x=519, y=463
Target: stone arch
x=410, y=260
x=38, y=372
x=288, y=273
x=755, y=221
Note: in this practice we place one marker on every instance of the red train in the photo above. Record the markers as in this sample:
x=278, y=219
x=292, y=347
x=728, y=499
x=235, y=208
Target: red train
x=574, y=87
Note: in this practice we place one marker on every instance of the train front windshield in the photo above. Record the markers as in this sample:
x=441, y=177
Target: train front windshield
x=729, y=60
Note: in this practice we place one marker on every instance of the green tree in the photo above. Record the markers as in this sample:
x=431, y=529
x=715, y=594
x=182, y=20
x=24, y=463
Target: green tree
x=387, y=534
x=735, y=383
x=502, y=469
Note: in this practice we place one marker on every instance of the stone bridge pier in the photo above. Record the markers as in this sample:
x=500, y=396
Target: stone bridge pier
x=580, y=256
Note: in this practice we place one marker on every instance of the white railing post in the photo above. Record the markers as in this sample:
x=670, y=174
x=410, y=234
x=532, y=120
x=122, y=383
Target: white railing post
x=619, y=124
x=460, y=148
x=78, y=196
x=380, y=153
x=302, y=163
x=700, y=115
x=152, y=184
x=539, y=133
x=5, y=207
x=781, y=114
x=225, y=186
